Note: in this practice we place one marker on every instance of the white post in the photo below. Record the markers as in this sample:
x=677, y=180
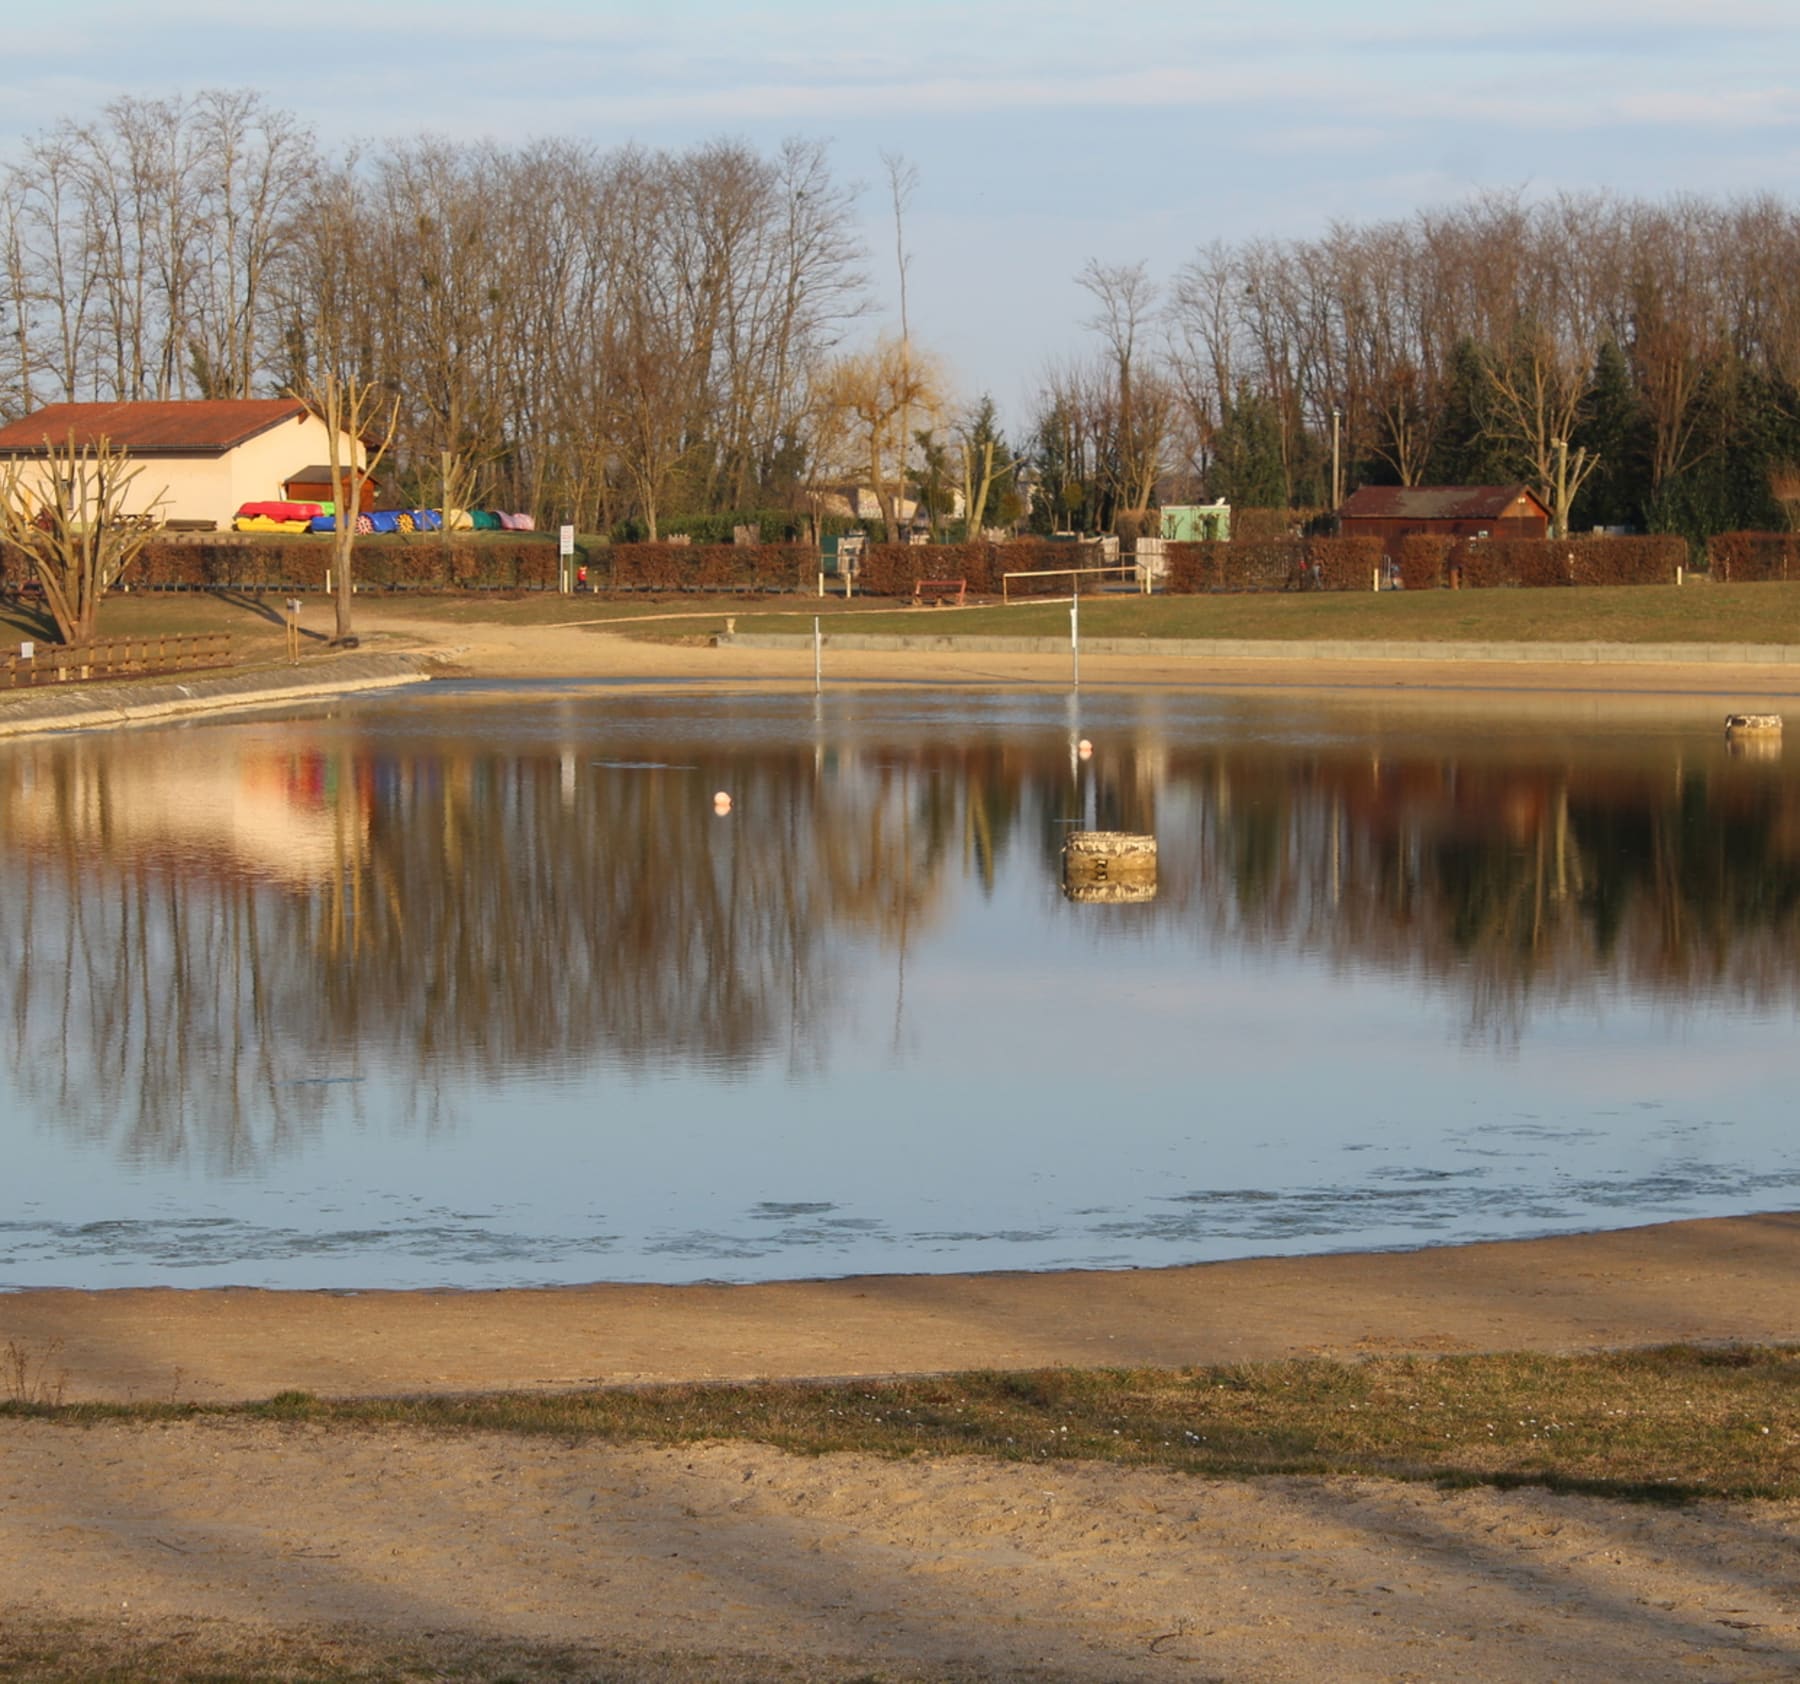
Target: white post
x=818, y=656
x=1075, y=630
x=821, y=581
x=1678, y=572
x=1374, y=578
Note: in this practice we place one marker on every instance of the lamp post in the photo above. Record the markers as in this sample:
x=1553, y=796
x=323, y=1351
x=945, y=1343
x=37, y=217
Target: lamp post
x=1337, y=483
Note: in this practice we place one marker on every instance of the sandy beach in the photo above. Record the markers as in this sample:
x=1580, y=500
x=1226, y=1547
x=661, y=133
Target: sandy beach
x=229, y=1539
x=590, y=645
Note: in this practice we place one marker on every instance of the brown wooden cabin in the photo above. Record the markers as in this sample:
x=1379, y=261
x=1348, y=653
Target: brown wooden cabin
x=1391, y=512
x=313, y=485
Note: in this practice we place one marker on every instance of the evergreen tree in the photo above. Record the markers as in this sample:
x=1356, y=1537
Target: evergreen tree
x=1466, y=452
x=1247, y=469
x=1613, y=430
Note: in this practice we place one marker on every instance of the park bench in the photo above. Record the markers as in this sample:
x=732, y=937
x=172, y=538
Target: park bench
x=940, y=591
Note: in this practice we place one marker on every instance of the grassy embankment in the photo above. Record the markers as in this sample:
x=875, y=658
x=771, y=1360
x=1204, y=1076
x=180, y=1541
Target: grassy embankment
x=1671, y=1424
x=1768, y=614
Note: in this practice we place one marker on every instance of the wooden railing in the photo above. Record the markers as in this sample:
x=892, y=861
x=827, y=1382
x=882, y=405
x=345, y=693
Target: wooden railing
x=110, y=657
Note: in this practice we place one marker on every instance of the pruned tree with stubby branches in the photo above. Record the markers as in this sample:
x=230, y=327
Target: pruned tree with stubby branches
x=354, y=412
x=66, y=510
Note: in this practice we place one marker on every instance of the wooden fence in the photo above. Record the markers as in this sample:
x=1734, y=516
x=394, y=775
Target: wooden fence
x=110, y=657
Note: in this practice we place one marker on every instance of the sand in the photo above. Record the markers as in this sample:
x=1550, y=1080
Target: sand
x=589, y=645
x=230, y=1539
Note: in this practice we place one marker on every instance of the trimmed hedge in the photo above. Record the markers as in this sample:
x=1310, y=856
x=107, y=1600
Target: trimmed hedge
x=1753, y=557
x=504, y=562
x=893, y=569
x=1273, y=564
x=1425, y=562
x=708, y=567
x=1344, y=564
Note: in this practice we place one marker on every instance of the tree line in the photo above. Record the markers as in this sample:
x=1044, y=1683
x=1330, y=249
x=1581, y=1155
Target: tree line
x=1636, y=363
x=651, y=341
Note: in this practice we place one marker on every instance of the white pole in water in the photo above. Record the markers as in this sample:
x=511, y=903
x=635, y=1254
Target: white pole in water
x=1075, y=631
x=818, y=656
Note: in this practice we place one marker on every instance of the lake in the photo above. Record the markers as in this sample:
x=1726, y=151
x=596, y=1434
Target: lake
x=475, y=987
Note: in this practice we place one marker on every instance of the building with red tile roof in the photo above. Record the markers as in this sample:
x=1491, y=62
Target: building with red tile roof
x=197, y=461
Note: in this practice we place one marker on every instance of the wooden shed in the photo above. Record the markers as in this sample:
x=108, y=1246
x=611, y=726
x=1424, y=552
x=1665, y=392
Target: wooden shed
x=1390, y=512
x=313, y=485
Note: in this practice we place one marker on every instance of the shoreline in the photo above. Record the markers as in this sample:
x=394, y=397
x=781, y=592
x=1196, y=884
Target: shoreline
x=1710, y=1281
x=1596, y=681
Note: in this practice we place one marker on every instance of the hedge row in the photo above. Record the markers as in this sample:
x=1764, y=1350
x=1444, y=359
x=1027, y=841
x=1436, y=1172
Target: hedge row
x=1753, y=557
x=1424, y=563
x=525, y=562
x=893, y=569
x=707, y=567
x=500, y=562
x=1273, y=564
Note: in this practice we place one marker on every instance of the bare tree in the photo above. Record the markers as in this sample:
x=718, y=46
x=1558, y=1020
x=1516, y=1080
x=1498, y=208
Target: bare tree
x=354, y=412
x=71, y=512
x=1142, y=401
x=868, y=396
x=903, y=182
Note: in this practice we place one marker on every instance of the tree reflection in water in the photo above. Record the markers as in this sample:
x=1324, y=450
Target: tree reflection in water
x=211, y=932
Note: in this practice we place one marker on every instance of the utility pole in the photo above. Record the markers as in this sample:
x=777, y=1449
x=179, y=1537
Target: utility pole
x=1337, y=482
x=1561, y=447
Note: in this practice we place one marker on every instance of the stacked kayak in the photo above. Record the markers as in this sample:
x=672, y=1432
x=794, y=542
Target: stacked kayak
x=386, y=520
x=322, y=517
x=277, y=517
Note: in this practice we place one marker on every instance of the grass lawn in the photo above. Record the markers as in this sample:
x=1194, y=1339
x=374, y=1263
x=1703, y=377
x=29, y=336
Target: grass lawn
x=1649, y=614
x=1671, y=1424
x=1704, y=613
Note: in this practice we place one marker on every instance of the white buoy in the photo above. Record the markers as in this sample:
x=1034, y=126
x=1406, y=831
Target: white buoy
x=1084, y=748
x=721, y=803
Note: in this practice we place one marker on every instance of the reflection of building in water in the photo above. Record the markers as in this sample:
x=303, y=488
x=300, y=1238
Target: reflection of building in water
x=290, y=817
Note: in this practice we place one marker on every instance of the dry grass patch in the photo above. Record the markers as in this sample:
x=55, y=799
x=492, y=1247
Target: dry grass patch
x=196, y=1651
x=1669, y=1424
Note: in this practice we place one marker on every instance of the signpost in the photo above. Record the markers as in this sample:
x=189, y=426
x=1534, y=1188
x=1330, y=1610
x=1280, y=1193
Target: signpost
x=565, y=553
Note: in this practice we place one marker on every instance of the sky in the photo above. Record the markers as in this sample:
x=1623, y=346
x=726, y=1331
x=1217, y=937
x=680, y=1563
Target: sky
x=1044, y=135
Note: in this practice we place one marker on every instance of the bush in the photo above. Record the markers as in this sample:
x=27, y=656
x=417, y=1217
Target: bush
x=1272, y=564
x=1627, y=561
x=1344, y=564
x=1191, y=569
x=1533, y=562
x=893, y=569
x=1423, y=558
x=279, y=562
x=1753, y=557
x=1045, y=556
x=711, y=567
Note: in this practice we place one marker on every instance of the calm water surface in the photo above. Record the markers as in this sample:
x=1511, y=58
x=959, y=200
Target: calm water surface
x=462, y=988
